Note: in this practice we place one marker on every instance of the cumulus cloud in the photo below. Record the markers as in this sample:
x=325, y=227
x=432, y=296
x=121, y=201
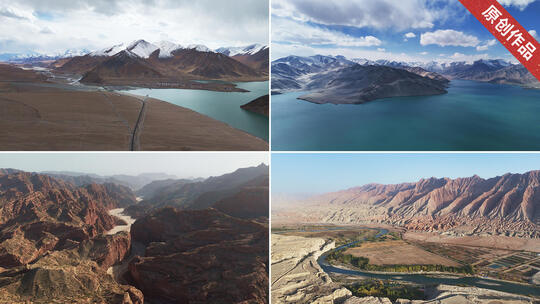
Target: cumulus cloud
x=534, y=34
x=381, y=14
x=381, y=49
x=520, y=4
x=486, y=45
x=424, y=53
x=448, y=38
x=288, y=31
x=96, y=24
x=410, y=35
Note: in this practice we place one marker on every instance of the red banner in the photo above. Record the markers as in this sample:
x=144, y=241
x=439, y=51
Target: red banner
x=508, y=31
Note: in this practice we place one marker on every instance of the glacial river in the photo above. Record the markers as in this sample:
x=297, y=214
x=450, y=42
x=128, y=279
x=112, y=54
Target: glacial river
x=448, y=279
x=222, y=106
x=472, y=116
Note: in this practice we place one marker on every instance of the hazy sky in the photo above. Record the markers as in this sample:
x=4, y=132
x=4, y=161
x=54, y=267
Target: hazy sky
x=402, y=30
x=319, y=173
x=180, y=164
x=56, y=25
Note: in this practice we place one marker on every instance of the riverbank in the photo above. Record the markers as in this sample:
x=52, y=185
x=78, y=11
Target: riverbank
x=428, y=279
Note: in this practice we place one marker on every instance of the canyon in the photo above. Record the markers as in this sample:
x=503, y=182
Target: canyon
x=72, y=242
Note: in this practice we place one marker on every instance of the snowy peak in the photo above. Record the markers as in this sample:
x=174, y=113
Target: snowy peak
x=199, y=47
x=242, y=50
x=166, y=48
x=110, y=51
x=142, y=48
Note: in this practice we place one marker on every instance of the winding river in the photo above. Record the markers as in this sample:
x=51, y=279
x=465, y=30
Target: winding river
x=426, y=279
x=119, y=213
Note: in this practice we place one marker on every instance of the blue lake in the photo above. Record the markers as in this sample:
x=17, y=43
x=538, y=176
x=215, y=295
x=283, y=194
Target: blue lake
x=472, y=116
x=222, y=106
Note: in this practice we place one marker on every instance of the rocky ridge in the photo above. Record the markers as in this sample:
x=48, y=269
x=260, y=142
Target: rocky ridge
x=503, y=205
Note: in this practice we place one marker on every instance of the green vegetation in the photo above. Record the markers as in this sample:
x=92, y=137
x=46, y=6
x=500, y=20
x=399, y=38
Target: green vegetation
x=363, y=263
x=387, y=289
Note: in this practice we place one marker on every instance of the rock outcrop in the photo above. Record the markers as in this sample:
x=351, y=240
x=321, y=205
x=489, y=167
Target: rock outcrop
x=67, y=278
x=296, y=275
x=260, y=105
x=200, y=256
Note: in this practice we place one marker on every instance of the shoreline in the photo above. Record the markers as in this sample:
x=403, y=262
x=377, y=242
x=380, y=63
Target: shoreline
x=92, y=118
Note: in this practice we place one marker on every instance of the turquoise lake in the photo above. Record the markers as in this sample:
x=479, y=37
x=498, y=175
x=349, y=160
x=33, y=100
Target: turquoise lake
x=472, y=116
x=222, y=106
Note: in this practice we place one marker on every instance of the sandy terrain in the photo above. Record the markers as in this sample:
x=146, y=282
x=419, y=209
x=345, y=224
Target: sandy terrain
x=296, y=276
x=499, y=242
x=36, y=116
x=398, y=252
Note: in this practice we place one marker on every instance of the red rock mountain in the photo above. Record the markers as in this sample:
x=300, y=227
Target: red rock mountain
x=39, y=213
x=508, y=204
x=201, y=256
x=52, y=241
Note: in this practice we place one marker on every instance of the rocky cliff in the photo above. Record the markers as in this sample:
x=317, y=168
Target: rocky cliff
x=201, y=256
x=52, y=242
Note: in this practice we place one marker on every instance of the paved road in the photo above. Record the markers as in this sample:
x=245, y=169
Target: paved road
x=135, y=143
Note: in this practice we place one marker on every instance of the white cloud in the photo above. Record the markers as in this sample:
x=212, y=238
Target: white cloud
x=534, y=34
x=487, y=45
x=282, y=50
x=424, y=53
x=410, y=35
x=466, y=58
x=56, y=25
x=381, y=49
x=448, y=38
x=284, y=30
x=381, y=14
x=521, y=4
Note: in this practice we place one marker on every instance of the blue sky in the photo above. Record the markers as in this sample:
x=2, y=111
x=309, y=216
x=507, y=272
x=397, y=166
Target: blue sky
x=404, y=30
x=320, y=173
x=179, y=164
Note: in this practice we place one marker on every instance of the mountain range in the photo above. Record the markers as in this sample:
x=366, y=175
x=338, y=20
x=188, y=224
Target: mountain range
x=320, y=74
x=502, y=205
x=220, y=192
x=55, y=243
x=341, y=81
x=166, y=65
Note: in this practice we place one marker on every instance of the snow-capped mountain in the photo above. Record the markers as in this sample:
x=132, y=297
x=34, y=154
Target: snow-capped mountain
x=166, y=48
x=242, y=50
x=35, y=56
x=199, y=47
x=142, y=48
